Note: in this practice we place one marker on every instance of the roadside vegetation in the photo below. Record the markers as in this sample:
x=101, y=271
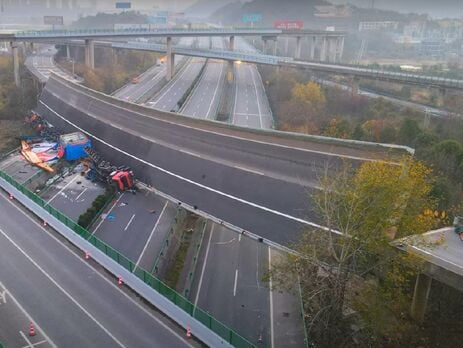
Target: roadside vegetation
x=302, y=105
x=355, y=286
x=113, y=68
x=14, y=104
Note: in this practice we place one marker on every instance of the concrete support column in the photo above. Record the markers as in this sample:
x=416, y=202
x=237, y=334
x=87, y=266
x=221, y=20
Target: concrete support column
x=231, y=43
x=354, y=85
x=90, y=54
x=340, y=48
x=210, y=42
x=312, y=47
x=420, y=297
x=14, y=52
x=286, y=46
x=275, y=46
x=264, y=46
x=298, y=47
x=323, y=49
x=332, y=49
x=170, y=60
x=441, y=97
x=68, y=52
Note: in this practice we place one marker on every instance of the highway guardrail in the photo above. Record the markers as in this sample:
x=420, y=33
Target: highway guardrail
x=184, y=120
x=203, y=326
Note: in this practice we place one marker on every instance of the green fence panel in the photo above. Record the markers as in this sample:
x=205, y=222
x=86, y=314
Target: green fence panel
x=184, y=304
x=157, y=285
x=239, y=341
x=203, y=317
x=220, y=329
x=167, y=292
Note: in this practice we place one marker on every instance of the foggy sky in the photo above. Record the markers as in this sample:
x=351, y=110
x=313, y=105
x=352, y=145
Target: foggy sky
x=435, y=8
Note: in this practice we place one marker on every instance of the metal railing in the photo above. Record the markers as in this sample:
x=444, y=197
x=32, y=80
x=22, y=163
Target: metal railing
x=207, y=53
x=144, y=31
x=154, y=283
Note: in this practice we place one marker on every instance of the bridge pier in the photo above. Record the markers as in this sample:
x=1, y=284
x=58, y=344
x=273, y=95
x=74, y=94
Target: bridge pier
x=170, y=60
x=332, y=49
x=298, y=47
x=14, y=52
x=340, y=48
x=231, y=43
x=323, y=49
x=68, y=52
x=90, y=54
x=420, y=297
x=313, y=44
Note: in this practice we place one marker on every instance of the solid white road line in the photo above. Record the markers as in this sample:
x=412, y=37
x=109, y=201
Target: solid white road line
x=109, y=211
x=80, y=194
x=150, y=236
x=130, y=221
x=29, y=343
x=331, y=154
x=272, y=339
x=86, y=264
x=36, y=344
x=204, y=266
x=236, y=282
x=64, y=188
x=62, y=289
x=29, y=317
x=253, y=68
x=219, y=83
x=202, y=186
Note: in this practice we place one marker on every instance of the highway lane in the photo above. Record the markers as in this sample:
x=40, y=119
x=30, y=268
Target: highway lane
x=150, y=82
x=204, y=100
x=197, y=166
x=230, y=285
x=75, y=305
x=170, y=94
x=251, y=107
x=134, y=91
x=41, y=64
x=167, y=99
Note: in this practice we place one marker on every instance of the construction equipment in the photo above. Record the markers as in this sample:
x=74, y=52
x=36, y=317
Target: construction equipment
x=121, y=177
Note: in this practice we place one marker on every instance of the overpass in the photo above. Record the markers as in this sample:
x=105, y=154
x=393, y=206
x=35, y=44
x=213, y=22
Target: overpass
x=332, y=43
x=257, y=180
x=338, y=69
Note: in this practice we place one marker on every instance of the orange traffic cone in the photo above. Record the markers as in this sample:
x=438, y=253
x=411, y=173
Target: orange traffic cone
x=188, y=332
x=119, y=280
x=31, y=329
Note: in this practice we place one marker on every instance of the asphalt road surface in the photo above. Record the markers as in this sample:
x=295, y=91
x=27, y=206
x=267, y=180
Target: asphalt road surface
x=136, y=226
x=167, y=99
x=260, y=186
x=251, y=107
x=151, y=81
x=204, y=100
x=73, y=304
x=41, y=64
x=73, y=195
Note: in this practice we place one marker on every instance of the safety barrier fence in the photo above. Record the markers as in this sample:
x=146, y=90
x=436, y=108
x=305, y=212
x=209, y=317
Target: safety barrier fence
x=179, y=217
x=162, y=294
x=201, y=225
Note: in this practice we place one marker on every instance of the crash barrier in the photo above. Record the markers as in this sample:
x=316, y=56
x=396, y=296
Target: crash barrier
x=205, y=327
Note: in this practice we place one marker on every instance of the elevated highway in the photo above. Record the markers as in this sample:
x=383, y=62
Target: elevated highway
x=330, y=68
x=257, y=180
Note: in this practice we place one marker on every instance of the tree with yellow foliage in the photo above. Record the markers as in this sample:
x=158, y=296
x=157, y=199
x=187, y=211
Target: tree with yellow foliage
x=310, y=93
x=354, y=266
